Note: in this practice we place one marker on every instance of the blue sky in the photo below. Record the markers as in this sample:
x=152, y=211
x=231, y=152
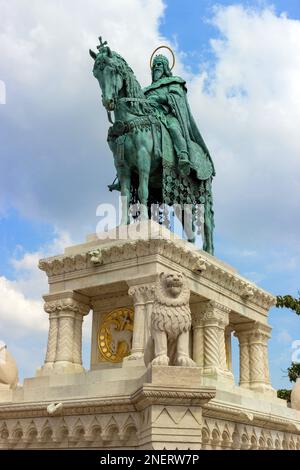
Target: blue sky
x=241, y=60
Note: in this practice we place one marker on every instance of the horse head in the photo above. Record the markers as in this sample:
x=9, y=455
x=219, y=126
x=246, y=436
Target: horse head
x=108, y=73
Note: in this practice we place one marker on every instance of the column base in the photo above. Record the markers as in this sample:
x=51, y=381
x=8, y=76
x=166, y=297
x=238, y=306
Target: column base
x=216, y=373
x=266, y=389
x=61, y=367
x=134, y=360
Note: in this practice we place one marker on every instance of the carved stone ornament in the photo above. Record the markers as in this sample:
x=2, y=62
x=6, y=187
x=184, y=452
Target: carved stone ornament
x=115, y=335
x=191, y=260
x=66, y=305
x=171, y=321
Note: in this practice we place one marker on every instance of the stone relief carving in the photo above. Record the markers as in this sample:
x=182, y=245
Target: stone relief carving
x=191, y=260
x=115, y=335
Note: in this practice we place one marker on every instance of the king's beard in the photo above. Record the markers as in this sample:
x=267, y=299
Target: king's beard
x=157, y=75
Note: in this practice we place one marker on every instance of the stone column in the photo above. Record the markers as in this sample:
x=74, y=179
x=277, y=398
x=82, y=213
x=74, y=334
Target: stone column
x=77, y=340
x=142, y=300
x=243, y=337
x=65, y=337
x=215, y=319
x=254, y=364
x=222, y=340
x=228, y=347
x=52, y=335
x=149, y=300
x=259, y=363
x=66, y=312
x=198, y=333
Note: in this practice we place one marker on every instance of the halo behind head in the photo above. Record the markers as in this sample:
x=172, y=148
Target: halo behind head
x=162, y=47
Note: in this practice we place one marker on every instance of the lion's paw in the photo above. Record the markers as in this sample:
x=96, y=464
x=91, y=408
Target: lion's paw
x=185, y=361
x=161, y=361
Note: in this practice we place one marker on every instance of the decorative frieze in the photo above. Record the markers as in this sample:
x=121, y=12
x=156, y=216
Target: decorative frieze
x=193, y=260
x=92, y=425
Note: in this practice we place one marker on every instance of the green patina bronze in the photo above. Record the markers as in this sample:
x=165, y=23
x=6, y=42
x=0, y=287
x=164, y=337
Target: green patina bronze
x=159, y=153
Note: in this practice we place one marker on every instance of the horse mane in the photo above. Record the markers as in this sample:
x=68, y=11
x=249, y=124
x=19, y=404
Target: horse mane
x=133, y=88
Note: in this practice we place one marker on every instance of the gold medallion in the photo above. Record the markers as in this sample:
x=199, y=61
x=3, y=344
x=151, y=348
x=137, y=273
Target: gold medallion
x=115, y=334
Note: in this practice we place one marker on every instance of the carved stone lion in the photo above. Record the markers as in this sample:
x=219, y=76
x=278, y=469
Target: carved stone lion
x=171, y=321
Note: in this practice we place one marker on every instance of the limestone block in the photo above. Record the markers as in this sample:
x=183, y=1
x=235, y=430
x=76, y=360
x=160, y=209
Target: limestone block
x=175, y=376
x=295, y=397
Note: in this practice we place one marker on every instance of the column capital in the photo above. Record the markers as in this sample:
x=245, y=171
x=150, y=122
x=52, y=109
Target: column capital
x=214, y=311
x=252, y=331
x=66, y=302
x=260, y=332
x=142, y=293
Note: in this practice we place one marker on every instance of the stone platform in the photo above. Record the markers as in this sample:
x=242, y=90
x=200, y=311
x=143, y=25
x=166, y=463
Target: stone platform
x=121, y=403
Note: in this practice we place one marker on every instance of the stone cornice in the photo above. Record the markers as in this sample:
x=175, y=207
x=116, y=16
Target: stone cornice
x=221, y=411
x=151, y=394
x=145, y=396
x=194, y=261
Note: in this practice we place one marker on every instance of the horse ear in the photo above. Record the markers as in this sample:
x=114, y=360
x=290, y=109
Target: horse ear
x=109, y=52
x=93, y=54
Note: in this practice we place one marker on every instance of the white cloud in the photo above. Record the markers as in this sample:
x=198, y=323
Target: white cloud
x=247, y=106
x=21, y=307
x=250, y=117
x=55, y=126
x=57, y=164
x=23, y=321
x=19, y=312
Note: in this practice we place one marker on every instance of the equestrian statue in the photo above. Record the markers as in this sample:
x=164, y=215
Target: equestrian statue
x=160, y=156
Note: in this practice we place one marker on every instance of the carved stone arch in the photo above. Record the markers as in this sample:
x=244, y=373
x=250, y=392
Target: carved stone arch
x=17, y=432
x=262, y=444
x=236, y=438
x=61, y=433
x=270, y=444
x=4, y=432
x=215, y=439
x=226, y=440
x=284, y=443
x=254, y=441
x=111, y=431
x=277, y=443
x=245, y=440
x=46, y=433
x=31, y=433
x=292, y=445
x=78, y=432
x=96, y=432
x=205, y=437
x=129, y=431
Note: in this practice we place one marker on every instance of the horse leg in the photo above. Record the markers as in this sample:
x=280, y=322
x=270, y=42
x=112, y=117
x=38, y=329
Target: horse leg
x=189, y=223
x=124, y=178
x=144, y=163
x=208, y=244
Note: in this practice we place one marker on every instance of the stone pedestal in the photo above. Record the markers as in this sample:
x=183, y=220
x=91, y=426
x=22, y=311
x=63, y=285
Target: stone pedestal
x=122, y=404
